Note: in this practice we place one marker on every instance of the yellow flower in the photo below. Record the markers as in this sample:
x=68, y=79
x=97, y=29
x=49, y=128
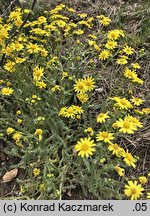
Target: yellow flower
x=71, y=112
x=39, y=133
x=9, y=66
x=138, y=80
x=128, y=50
x=129, y=73
x=36, y=172
x=122, y=60
x=1, y=81
x=102, y=117
x=18, y=112
x=20, y=60
x=32, y=48
x=82, y=97
x=3, y=33
x=89, y=83
x=104, y=20
x=126, y=126
x=19, y=121
x=148, y=195
x=102, y=160
x=143, y=180
x=63, y=110
x=115, y=34
x=94, y=37
x=17, y=46
x=42, y=187
x=137, y=101
x=15, y=14
x=6, y=91
x=111, y=44
x=105, y=136
x=136, y=65
x=34, y=96
x=146, y=110
x=134, y=121
x=71, y=10
x=80, y=86
x=55, y=88
x=133, y=190
x=17, y=136
x=122, y=103
x=64, y=75
x=77, y=109
x=138, y=111
x=37, y=73
x=119, y=170
x=82, y=15
x=9, y=130
x=41, y=19
x=105, y=54
x=41, y=84
x=129, y=159
x=89, y=130
x=116, y=149
x=85, y=147
x=78, y=32
x=83, y=22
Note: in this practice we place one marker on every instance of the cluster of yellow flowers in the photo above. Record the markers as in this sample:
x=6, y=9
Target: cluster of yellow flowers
x=71, y=112
x=15, y=135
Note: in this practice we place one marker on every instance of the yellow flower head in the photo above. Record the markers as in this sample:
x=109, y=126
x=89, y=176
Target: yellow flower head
x=129, y=159
x=85, y=147
x=37, y=73
x=119, y=170
x=143, y=180
x=104, y=20
x=89, y=130
x=82, y=97
x=133, y=190
x=148, y=195
x=17, y=136
x=146, y=110
x=105, y=54
x=32, y=48
x=105, y=136
x=134, y=121
x=10, y=66
x=116, y=149
x=129, y=73
x=89, y=83
x=39, y=132
x=9, y=130
x=126, y=126
x=71, y=112
x=115, y=34
x=122, y=103
x=137, y=101
x=138, y=80
x=36, y=172
x=111, y=44
x=80, y=86
x=42, y=187
x=55, y=88
x=136, y=65
x=122, y=60
x=102, y=117
x=128, y=50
